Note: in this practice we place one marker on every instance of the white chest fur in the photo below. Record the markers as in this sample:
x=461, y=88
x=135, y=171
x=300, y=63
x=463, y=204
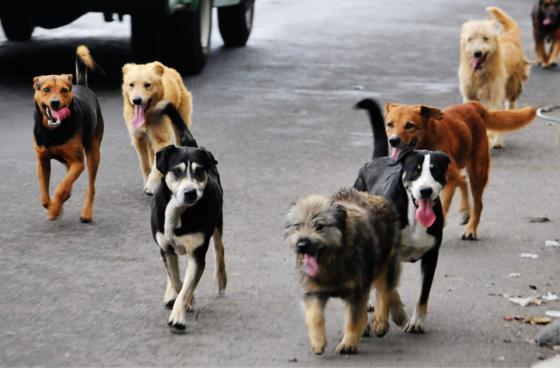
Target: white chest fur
x=181, y=244
x=415, y=239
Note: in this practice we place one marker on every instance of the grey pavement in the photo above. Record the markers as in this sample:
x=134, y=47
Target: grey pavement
x=278, y=116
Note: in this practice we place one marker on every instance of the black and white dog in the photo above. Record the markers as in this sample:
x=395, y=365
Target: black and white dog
x=412, y=182
x=186, y=213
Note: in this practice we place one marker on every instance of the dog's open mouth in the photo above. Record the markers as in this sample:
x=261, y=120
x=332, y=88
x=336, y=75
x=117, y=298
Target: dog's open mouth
x=477, y=62
x=55, y=117
x=394, y=152
x=547, y=21
x=140, y=114
x=425, y=214
x=310, y=265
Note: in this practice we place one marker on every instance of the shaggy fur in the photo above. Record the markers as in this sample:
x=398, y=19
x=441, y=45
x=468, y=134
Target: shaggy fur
x=144, y=86
x=493, y=65
x=344, y=245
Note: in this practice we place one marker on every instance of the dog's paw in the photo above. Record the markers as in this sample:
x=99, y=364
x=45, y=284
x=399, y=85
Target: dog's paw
x=55, y=210
x=469, y=235
x=86, y=220
x=151, y=185
x=318, y=348
x=398, y=315
x=178, y=319
x=380, y=327
x=465, y=217
x=367, y=331
x=45, y=203
x=345, y=348
x=169, y=297
x=415, y=325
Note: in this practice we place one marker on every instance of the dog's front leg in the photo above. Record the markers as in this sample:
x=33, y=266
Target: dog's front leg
x=540, y=52
x=315, y=321
x=64, y=188
x=44, y=174
x=195, y=267
x=171, y=262
x=554, y=52
x=356, y=320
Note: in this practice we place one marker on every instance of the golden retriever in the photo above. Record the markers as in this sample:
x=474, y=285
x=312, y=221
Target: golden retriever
x=144, y=86
x=493, y=65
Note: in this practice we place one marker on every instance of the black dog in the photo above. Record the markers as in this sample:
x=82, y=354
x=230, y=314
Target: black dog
x=546, y=27
x=186, y=213
x=413, y=183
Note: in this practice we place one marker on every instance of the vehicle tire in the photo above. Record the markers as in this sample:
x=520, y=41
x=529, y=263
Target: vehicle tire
x=146, y=36
x=17, y=28
x=187, y=37
x=236, y=22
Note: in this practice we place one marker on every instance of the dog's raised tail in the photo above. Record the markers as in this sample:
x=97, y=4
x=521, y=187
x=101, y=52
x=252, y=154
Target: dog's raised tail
x=380, y=145
x=505, y=20
x=84, y=61
x=508, y=120
x=185, y=137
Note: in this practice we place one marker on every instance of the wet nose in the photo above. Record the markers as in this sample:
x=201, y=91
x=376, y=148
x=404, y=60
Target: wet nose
x=55, y=104
x=477, y=54
x=394, y=141
x=302, y=245
x=190, y=196
x=426, y=192
x=137, y=100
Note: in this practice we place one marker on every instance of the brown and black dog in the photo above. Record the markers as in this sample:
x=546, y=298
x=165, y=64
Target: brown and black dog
x=546, y=27
x=459, y=131
x=68, y=124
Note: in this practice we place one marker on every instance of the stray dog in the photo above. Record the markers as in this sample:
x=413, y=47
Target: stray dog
x=412, y=184
x=546, y=27
x=344, y=245
x=460, y=132
x=493, y=65
x=186, y=213
x=68, y=123
x=143, y=87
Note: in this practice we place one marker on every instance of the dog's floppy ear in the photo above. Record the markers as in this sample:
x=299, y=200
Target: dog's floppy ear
x=126, y=67
x=159, y=68
x=36, y=84
x=209, y=159
x=390, y=106
x=340, y=215
x=430, y=113
x=162, y=156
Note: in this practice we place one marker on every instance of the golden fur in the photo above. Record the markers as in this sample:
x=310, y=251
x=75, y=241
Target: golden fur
x=504, y=69
x=154, y=83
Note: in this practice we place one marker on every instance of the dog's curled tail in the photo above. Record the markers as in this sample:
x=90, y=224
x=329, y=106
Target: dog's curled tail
x=505, y=20
x=380, y=145
x=185, y=137
x=508, y=120
x=84, y=61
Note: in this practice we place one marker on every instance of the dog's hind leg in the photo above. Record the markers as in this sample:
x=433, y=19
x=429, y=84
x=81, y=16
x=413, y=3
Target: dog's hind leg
x=453, y=177
x=464, y=205
x=93, y=157
x=219, y=262
x=356, y=321
x=44, y=175
x=478, y=177
x=171, y=262
x=383, y=294
x=143, y=150
x=554, y=52
x=195, y=268
x=315, y=321
x=64, y=188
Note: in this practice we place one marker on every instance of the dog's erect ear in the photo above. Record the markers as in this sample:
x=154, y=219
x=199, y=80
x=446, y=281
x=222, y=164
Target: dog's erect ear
x=159, y=68
x=430, y=113
x=126, y=68
x=36, y=84
x=69, y=77
x=162, y=156
x=390, y=106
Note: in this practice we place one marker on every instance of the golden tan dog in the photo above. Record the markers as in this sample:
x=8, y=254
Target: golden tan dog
x=144, y=86
x=493, y=65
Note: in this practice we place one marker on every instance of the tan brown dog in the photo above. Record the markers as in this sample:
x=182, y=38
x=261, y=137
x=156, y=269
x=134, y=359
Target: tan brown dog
x=68, y=123
x=144, y=86
x=459, y=131
x=493, y=65
x=546, y=27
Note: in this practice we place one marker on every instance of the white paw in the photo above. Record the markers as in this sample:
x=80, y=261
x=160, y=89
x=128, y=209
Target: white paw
x=151, y=185
x=169, y=297
x=178, y=317
x=415, y=325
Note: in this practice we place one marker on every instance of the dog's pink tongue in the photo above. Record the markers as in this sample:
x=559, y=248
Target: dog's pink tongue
x=61, y=114
x=475, y=63
x=425, y=212
x=546, y=21
x=139, y=118
x=394, y=153
x=310, y=265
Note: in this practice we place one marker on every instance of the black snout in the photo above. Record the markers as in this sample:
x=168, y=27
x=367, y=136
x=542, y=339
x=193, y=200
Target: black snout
x=303, y=245
x=426, y=192
x=477, y=54
x=190, y=196
x=394, y=141
x=55, y=104
x=137, y=100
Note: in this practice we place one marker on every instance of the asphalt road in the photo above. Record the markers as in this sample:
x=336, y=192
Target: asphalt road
x=278, y=117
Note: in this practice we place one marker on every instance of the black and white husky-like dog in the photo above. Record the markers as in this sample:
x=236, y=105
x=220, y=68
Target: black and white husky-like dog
x=412, y=183
x=186, y=213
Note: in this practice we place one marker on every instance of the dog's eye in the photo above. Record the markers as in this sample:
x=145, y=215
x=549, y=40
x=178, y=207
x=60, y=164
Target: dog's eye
x=147, y=85
x=419, y=168
x=131, y=85
x=485, y=39
x=63, y=90
x=319, y=227
x=198, y=172
x=469, y=39
x=46, y=89
x=390, y=125
x=177, y=172
x=409, y=126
